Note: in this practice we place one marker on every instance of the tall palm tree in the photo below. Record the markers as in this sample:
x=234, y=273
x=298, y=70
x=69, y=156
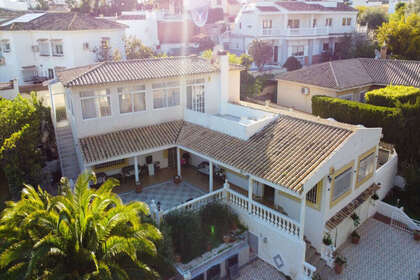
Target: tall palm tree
x=80, y=234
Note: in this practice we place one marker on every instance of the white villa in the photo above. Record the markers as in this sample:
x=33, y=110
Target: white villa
x=35, y=45
x=290, y=177
x=302, y=29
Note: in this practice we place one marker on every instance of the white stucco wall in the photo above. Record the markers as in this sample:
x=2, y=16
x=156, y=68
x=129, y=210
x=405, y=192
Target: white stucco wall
x=385, y=175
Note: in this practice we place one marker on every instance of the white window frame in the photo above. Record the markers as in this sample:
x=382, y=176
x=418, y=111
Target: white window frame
x=5, y=46
x=328, y=21
x=198, y=102
x=340, y=189
x=96, y=96
x=54, y=45
x=293, y=23
x=267, y=24
x=296, y=50
x=166, y=88
x=137, y=90
x=44, y=47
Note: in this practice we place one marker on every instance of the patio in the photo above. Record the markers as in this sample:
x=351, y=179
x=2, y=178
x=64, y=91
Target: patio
x=259, y=270
x=384, y=252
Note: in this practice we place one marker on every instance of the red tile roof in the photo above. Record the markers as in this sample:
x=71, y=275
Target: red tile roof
x=267, y=8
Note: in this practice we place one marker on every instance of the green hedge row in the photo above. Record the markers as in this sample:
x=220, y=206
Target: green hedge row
x=390, y=96
x=400, y=124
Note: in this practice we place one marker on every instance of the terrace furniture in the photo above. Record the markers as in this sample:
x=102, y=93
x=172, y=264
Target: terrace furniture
x=100, y=179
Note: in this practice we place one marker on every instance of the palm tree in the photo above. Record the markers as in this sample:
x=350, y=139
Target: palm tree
x=80, y=234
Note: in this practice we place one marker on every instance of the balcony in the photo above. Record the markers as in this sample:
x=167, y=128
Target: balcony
x=299, y=32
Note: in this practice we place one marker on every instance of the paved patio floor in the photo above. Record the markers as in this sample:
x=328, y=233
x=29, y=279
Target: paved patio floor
x=259, y=270
x=383, y=253
x=168, y=194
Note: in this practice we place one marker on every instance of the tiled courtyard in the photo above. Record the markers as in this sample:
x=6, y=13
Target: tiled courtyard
x=168, y=194
x=383, y=253
x=259, y=270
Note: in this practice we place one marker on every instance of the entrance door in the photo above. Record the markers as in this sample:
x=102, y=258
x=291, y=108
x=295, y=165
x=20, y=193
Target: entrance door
x=172, y=158
x=276, y=54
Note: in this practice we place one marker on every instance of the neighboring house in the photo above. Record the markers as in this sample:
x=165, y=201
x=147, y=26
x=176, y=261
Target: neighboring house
x=9, y=90
x=288, y=175
x=305, y=30
x=347, y=79
x=34, y=45
x=14, y=5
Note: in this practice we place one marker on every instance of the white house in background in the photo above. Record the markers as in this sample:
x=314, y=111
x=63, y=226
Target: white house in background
x=14, y=5
x=305, y=30
x=291, y=177
x=9, y=90
x=34, y=45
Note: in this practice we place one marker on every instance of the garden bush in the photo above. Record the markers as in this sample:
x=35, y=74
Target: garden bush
x=390, y=96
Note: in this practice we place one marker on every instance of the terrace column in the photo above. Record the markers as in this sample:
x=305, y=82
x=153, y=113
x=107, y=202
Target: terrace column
x=250, y=191
x=210, y=176
x=136, y=170
x=178, y=161
x=302, y=216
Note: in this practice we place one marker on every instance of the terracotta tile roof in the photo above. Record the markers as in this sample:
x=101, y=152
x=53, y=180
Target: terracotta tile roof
x=267, y=8
x=64, y=22
x=357, y=72
x=302, y=6
x=124, y=142
x=335, y=220
x=285, y=152
x=136, y=69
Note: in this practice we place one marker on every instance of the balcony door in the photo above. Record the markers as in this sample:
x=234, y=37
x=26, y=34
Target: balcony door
x=276, y=54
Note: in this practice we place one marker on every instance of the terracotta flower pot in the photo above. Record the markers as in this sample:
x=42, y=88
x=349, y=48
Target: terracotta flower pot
x=338, y=268
x=355, y=239
x=139, y=189
x=416, y=236
x=177, y=179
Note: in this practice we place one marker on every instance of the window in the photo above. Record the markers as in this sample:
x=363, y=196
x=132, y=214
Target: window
x=105, y=43
x=57, y=47
x=195, y=95
x=298, y=50
x=366, y=167
x=346, y=21
x=44, y=47
x=325, y=47
x=166, y=94
x=133, y=101
x=267, y=24
x=313, y=197
x=5, y=46
x=314, y=23
x=293, y=23
x=95, y=104
x=50, y=73
x=342, y=184
x=240, y=25
x=328, y=22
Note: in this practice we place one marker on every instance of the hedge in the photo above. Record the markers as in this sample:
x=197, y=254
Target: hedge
x=400, y=124
x=390, y=96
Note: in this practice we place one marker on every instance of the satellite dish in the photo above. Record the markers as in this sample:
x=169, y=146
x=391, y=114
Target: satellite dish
x=199, y=12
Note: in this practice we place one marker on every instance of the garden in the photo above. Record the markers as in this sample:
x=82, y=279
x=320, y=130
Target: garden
x=195, y=232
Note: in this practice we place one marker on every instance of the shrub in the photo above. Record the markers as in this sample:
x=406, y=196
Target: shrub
x=390, y=96
x=292, y=63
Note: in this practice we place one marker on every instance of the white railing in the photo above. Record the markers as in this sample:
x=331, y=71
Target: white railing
x=197, y=203
x=327, y=254
x=296, y=31
x=308, y=270
x=396, y=214
x=265, y=213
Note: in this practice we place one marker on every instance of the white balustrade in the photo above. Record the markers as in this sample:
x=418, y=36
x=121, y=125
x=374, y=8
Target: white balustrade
x=327, y=254
x=265, y=213
x=308, y=270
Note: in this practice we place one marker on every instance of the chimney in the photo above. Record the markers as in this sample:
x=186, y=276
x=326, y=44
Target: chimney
x=224, y=79
x=384, y=50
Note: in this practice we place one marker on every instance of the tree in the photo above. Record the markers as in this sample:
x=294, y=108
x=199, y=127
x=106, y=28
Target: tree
x=351, y=46
x=246, y=60
x=292, y=64
x=80, y=234
x=134, y=49
x=414, y=7
x=261, y=52
x=402, y=37
x=373, y=17
x=22, y=155
x=205, y=44
x=233, y=58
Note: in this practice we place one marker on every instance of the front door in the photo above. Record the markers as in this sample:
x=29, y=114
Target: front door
x=276, y=54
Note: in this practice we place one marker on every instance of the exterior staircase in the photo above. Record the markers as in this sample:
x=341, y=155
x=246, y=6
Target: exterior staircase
x=323, y=271
x=67, y=152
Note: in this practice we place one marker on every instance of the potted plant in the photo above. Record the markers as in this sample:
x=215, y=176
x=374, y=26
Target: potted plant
x=356, y=219
x=339, y=264
x=327, y=239
x=416, y=235
x=355, y=237
x=375, y=196
x=177, y=179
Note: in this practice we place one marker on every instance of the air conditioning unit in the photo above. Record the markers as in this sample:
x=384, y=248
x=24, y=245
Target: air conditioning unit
x=305, y=90
x=86, y=46
x=2, y=61
x=35, y=48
